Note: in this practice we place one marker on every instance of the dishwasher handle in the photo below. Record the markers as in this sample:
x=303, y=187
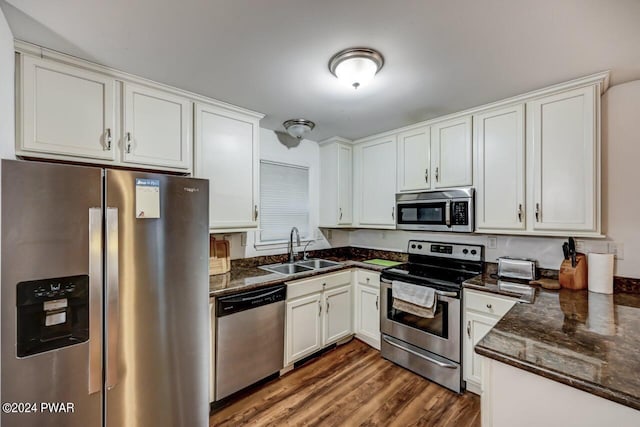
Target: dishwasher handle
x=249, y=300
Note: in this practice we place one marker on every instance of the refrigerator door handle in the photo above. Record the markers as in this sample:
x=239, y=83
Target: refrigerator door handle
x=113, y=298
x=95, y=300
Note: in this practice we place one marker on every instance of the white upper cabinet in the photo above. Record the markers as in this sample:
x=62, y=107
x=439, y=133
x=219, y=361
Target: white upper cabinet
x=499, y=169
x=414, y=159
x=226, y=153
x=65, y=111
x=452, y=153
x=336, y=188
x=376, y=182
x=157, y=128
x=562, y=134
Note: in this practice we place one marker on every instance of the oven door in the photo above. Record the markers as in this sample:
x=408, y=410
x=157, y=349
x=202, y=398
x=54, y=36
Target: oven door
x=439, y=335
x=432, y=215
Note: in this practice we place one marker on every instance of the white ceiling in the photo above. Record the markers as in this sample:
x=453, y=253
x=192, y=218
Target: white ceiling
x=271, y=55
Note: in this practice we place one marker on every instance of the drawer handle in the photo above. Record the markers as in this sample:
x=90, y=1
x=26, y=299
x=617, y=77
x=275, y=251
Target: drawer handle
x=489, y=306
x=368, y=279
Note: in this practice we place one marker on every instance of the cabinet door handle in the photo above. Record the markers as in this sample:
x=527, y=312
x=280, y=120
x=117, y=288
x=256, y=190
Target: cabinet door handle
x=537, y=212
x=469, y=328
x=520, y=212
x=255, y=212
x=340, y=213
x=328, y=306
x=108, y=139
x=437, y=174
x=319, y=308
x=128, y=142
x=377, y=297
x=426, y=175
x=393, y=213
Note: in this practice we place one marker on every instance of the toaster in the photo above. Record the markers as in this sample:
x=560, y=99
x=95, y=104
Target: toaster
x=516, y=268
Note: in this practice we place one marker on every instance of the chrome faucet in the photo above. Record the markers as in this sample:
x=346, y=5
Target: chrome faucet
x=292, y=254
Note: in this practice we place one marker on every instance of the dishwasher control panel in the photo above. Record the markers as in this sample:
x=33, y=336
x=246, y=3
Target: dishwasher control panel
x=251, y=299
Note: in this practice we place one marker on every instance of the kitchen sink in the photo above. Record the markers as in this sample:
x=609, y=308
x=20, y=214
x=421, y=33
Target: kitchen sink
x=286, y=268
x=318, y=263
x=300, y=266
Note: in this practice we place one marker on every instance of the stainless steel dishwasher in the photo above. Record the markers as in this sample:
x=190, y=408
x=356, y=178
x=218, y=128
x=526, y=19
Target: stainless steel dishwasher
x=249, y=338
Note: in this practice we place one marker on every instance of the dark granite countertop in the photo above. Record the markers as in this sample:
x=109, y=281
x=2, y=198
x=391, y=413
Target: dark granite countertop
x=585, y=340
x=486, y=283
x=245, y=274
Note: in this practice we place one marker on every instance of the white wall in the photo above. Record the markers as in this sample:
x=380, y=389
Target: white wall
x=621, y=173
x=307, y=153
x=620, y=204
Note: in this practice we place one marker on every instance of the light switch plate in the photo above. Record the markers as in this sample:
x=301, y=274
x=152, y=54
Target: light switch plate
x=492, y=242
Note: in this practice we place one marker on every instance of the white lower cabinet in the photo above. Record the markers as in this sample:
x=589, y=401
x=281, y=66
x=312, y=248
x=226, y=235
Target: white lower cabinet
x=367, y=307
x=338, y=318
x=319, y=312
x=304, y=327
x=481, y=312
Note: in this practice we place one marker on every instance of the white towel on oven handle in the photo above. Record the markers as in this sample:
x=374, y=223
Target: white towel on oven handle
x=423, y=297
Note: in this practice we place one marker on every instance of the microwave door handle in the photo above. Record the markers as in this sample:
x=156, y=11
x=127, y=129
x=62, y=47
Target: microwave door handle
x=447, y=213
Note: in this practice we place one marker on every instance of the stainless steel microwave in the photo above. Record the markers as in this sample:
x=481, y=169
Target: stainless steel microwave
x=445, y=210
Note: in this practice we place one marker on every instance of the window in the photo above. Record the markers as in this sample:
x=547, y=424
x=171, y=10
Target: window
x=284, y=201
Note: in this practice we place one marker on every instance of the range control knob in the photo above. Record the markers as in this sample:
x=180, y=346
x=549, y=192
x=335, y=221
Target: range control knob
x=465, y=251
x=419, y=246
x=413, y=246
x=473, y=252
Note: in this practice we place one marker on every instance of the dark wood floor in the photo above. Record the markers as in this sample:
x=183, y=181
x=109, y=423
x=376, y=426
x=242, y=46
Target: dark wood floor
x=351, y=386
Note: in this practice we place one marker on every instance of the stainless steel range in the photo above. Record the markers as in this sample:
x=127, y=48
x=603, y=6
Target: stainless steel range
x=430, y=347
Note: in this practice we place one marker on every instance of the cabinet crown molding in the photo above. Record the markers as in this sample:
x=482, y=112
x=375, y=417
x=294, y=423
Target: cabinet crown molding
x=26, y=48
x=601, y=78
x=336, y=139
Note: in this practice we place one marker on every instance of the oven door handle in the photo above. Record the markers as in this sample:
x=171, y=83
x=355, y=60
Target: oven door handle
x=447, y=213
x=422, y=356
x=438, y=292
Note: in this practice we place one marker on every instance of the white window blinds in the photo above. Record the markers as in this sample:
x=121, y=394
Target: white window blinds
x=284, y=200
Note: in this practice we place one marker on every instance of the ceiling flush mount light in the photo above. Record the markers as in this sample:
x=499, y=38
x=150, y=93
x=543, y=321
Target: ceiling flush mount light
x=356, y=66
x=297, y=128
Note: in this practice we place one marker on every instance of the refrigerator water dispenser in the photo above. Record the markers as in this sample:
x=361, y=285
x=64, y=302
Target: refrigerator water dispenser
x=52, y=313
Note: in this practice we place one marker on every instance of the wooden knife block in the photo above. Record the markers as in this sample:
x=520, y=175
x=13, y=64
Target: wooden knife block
x=574, y=277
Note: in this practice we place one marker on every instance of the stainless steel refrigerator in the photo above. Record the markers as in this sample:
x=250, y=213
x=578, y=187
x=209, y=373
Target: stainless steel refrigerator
x=104, y=299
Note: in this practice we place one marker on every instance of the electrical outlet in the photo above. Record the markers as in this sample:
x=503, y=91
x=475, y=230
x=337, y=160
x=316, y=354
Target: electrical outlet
x=492, y=242
x=579, y=245
x=617, y=249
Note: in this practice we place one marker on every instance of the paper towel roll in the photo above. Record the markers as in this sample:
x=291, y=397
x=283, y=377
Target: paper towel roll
x=600, y=273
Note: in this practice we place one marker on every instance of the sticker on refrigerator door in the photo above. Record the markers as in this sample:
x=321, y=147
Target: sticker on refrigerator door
x=147, y=198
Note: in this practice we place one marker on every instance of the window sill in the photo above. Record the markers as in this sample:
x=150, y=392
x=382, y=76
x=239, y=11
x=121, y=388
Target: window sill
x=280, y=244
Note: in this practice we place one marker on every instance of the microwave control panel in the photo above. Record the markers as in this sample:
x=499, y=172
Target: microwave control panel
x=460, y=213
